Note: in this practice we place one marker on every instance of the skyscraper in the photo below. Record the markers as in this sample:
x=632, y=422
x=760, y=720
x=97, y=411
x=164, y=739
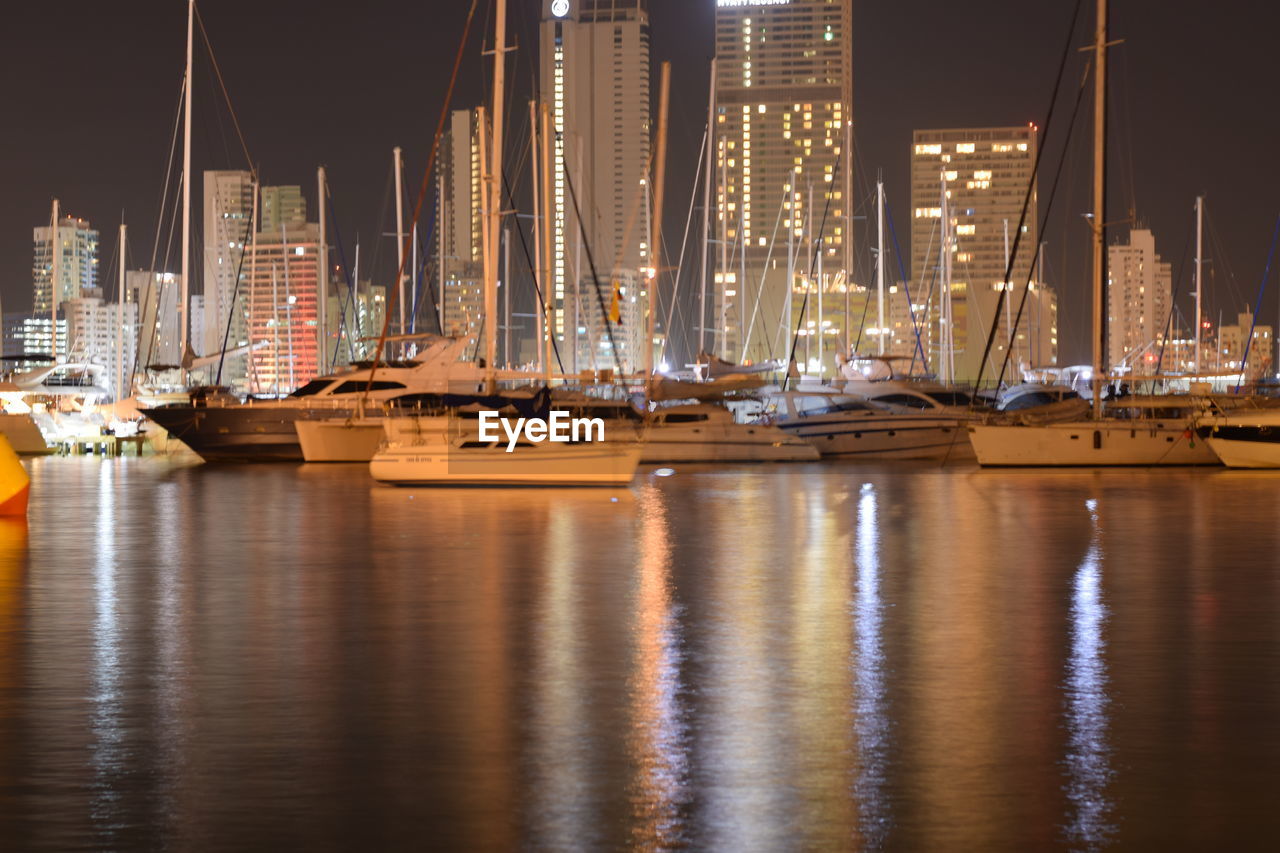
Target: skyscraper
x=984, y=173
x=228, y=203
x=283, y=266
x=783, y=89
x=461, y=187
x=595, y=79
x=1139, y=290
x=78, y=263
x=157, y=335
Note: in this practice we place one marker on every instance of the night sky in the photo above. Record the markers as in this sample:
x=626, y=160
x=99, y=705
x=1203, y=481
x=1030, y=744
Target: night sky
x=91, y=94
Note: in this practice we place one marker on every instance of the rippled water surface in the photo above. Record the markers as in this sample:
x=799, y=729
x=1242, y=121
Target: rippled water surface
x=744, y=658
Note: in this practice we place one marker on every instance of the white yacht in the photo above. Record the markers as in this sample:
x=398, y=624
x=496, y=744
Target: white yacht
x=705, y=432
x=842, y=425
x=689, y=432
x=1244, y=438
x=220, y=427
x=1139, y=431
x=445, y=450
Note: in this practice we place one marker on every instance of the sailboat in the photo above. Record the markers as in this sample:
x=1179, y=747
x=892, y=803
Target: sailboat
x=446, y=451
x=1122, y=431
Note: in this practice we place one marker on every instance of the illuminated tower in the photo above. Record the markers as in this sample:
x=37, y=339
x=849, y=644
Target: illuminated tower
x=228, y=201
x=1139, y=290
x=461, y=189
x=78, y=264
x=985, y=172
x=783, y=86
x=282, y=267
x=595, y=79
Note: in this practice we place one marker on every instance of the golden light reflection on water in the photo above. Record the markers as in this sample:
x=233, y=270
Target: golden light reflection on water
x=1088, y=758
x=13, y=582
x=658, y=739
x=871, y=719
x=755, y=658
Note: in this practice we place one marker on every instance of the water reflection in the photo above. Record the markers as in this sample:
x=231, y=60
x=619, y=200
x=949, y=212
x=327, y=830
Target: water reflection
x=755, y=658
x=13, y=575
x=108, y=748
x=659, y=737
x=1088, y=752
x=871, y=720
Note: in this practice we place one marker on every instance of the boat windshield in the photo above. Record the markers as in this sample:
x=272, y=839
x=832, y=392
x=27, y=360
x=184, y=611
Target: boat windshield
x=952, y=398
x=356, y=386
x=832, y=407
x=908, y=400
x=315, y=386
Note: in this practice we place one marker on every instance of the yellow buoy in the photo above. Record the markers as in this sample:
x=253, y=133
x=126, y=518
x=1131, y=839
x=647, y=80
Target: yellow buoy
x=15, y=485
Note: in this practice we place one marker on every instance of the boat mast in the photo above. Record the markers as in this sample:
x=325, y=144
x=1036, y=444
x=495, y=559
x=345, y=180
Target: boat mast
x=1099, y=203
x=655, y=233
x=186, y=191
x=847, y=154
x=495, y=200
x=322, y=279
x=55, y=247
x=535, y=156
x=722, y=319
x=879, y=262
x=120, y=321
x=946, y=340
x=706, y=209
x=1199, y=261
x=548, y=286
x=1008, y=303
x=398, y=164
x=506, y=295
x=255, y=222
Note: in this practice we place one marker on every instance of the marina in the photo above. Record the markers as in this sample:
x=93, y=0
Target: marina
x=813, y=656
x=670, y=446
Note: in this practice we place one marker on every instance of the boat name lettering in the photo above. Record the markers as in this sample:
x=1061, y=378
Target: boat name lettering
x=560, y=427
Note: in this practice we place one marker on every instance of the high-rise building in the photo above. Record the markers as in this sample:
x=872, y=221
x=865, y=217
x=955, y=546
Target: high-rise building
x=100, y=332
x=984, y=173
x=283, y=265
x=156, y=333
x=355, y=322
x=595, y=81
x=783, y=121
x=1139, y=293
x=461, y=186
x=460, y=190
x=1259, y=360
x=282, y=207
x=78, y=263
x=228, y=205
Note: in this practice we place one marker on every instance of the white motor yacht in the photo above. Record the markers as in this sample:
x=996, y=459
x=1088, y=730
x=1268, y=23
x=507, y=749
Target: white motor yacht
x=446, y=451
x=1244, y=438
x=220, y=427
x=842, y=425
x=1137, y=431
x=704, y=432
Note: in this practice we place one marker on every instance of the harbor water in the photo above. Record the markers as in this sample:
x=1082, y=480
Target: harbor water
x=808, y=657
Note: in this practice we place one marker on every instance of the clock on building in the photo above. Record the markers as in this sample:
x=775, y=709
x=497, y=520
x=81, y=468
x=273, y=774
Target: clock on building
x=559, y=8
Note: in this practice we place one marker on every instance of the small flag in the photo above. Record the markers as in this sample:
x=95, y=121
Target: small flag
x=615, y=304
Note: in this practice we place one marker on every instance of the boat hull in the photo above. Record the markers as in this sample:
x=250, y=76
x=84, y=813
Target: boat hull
x=1086, y=444
x=873, y=436
x=23, y=435
x=340, y=439
x=1246, y=453
x=442, y=464
x=723, y=443
x=235, y=433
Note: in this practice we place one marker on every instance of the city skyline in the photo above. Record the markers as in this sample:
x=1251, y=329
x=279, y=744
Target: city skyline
x=1160, y=161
